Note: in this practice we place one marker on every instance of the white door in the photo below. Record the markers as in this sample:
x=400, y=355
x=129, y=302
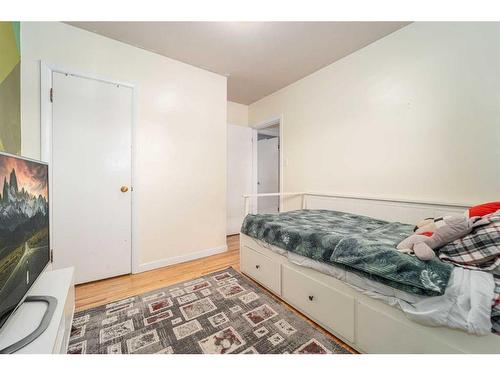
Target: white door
x=268, y=174
x=239, y=174
x=91, y=162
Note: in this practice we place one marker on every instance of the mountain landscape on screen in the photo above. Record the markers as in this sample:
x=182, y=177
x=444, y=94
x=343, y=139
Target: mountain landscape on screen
x=24, y=222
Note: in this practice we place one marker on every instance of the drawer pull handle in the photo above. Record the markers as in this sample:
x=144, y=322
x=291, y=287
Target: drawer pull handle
x=257, y=266
x=311, y=298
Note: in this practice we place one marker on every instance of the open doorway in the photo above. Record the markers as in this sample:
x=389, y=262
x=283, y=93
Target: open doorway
x=267, y=159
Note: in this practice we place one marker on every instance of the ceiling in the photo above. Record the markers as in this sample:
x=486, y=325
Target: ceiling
x=258, y=58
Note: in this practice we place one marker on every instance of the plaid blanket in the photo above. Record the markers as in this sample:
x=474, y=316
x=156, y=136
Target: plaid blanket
x=479, y=250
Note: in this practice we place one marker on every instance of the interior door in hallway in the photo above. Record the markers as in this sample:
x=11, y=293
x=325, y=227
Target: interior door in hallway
x=268, y=174
x=91, y=176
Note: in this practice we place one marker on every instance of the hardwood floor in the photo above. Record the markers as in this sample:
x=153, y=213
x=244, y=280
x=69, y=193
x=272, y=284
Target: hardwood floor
x=105, y=291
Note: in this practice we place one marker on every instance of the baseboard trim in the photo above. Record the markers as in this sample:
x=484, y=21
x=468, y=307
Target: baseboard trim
x=180, y=259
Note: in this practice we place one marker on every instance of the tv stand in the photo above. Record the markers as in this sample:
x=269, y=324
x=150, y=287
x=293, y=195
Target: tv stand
x=42, y=325
x=47, y=317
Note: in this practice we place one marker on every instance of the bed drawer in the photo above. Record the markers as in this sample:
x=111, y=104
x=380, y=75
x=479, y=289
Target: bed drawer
x=262, y=268
x=324, y=304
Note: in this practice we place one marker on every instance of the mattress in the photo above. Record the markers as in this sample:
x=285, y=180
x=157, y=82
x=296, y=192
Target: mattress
x=357, y=243
x=361, y=283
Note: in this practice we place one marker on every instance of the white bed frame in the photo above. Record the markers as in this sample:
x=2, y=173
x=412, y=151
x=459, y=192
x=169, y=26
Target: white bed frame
x=364, y=323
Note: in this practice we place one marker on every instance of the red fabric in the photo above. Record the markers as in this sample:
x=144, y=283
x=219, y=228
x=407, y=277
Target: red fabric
x=484, y=209
x=428, y=234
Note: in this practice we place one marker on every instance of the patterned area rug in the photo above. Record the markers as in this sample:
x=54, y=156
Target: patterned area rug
x=221, y=312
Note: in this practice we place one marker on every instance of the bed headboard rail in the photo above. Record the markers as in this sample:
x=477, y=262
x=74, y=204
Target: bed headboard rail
x=385, y=209
x=405, y=211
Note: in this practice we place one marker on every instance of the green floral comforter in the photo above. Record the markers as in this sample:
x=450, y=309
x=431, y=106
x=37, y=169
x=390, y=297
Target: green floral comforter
x=358, y=243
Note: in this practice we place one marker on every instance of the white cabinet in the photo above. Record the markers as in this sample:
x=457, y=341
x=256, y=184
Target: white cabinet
x=54, y=339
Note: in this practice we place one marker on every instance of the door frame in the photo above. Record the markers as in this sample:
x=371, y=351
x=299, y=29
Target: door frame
x=262, y=125
x=46, y=71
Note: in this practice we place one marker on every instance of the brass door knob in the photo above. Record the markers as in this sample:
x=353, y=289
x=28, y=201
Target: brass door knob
x=124, y=189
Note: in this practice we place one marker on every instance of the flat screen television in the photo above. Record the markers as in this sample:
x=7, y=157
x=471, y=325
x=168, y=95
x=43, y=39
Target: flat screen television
x=24, y=228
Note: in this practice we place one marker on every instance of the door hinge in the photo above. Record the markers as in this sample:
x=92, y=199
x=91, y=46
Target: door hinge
x=51, y=94
x=51, y=255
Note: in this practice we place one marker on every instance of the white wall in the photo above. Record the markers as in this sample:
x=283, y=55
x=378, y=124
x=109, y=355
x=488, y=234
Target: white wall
x=239, y=164
x=180, y=186
x=415, y=115
x=237, y=114
x=239, y=174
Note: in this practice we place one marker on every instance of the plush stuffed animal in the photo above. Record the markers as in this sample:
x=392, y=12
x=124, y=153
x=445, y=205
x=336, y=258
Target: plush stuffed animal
x=431, y=234
x=427, y=225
